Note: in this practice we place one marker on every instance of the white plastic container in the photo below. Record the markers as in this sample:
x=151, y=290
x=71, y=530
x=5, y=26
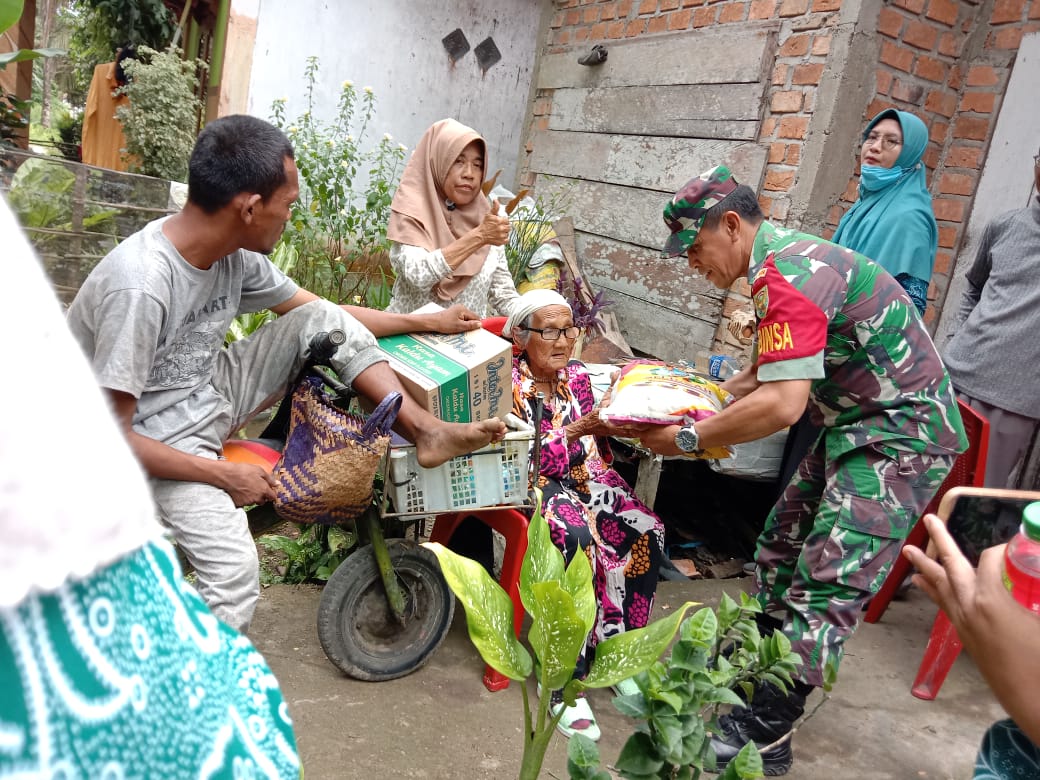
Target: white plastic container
x=495, y=475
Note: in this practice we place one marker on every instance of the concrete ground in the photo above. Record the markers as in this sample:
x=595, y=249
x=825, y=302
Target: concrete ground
x=440, y=722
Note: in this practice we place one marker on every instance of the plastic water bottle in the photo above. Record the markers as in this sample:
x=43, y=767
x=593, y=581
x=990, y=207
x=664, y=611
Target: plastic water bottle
x=1022, y=560
x=717, y=367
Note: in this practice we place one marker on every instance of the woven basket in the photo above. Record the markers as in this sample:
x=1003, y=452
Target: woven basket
x=330, y=459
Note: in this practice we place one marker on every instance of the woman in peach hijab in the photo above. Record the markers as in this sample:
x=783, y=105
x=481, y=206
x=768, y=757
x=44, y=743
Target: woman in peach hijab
x=446, y=238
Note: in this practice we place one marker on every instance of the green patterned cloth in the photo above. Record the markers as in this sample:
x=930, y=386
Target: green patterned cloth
x=829, y=314
x=128, y=674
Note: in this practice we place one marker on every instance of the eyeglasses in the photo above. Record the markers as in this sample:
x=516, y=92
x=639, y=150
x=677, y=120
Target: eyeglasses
x=551, y=334
x=887, y=141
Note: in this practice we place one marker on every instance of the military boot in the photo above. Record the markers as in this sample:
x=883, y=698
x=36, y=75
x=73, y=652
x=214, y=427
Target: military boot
x=768, y=717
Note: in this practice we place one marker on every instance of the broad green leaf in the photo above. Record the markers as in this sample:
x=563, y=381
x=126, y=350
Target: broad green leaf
x=639, y=757
x=340, y=539
x=583, y=759
x=543, y=561
x=632, y=706
x=701, y=628
x=577, y=581
x=673, y=700
x=489, y=613
x=720, y=695
x=746, y=765
x=557, y=632
x=728, y=611
x=10, y=13
x=22, y=55
x=627, y=654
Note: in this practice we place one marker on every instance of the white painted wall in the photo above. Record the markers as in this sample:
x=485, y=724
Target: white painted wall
x=395, y=48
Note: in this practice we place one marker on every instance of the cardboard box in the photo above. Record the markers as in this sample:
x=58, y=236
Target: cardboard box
x=463, y=377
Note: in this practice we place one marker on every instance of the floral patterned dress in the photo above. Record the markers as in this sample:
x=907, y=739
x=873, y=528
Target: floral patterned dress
x=589, y=506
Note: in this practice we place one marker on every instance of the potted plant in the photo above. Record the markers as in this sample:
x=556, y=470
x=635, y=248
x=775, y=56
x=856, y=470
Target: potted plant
x=562, y=607
x=717, y=654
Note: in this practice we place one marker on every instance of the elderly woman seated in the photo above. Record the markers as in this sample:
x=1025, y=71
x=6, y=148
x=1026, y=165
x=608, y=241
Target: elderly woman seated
x=587, y=504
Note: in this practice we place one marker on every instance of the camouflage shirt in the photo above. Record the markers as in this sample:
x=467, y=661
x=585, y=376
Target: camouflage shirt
x=828, y=314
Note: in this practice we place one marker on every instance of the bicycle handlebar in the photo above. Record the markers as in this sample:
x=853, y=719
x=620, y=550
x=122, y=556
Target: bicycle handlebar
x=324, y=345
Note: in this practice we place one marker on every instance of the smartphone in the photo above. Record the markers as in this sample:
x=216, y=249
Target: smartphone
x=978, y=517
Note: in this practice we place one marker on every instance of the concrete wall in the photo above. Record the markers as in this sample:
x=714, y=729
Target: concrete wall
x=396, y=49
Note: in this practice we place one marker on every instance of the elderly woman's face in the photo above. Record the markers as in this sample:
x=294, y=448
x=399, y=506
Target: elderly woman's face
x=465, y=176
x=546, y=357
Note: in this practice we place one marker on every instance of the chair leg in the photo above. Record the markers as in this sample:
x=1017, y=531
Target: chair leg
x=918, y=537
x=943, y=648
x=513, y=526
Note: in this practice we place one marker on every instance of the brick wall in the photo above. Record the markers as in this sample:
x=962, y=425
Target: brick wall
x=947, y=61
x=803, y=48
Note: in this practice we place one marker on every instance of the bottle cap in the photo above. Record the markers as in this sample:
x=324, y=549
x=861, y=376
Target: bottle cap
x=1031, y=521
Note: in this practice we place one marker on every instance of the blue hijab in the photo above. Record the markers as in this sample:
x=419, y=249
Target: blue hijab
x=892, y=222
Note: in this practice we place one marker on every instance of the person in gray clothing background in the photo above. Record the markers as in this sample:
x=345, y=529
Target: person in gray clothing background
x=993, y=337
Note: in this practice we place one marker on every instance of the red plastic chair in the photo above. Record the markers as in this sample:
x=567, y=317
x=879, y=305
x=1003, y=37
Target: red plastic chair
x=943, y=644
x=512, y=524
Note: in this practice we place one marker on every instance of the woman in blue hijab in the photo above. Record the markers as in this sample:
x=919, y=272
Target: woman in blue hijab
x=892, y=222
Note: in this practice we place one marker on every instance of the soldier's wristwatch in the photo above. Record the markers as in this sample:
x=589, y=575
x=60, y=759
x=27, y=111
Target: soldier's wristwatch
x=687, y=439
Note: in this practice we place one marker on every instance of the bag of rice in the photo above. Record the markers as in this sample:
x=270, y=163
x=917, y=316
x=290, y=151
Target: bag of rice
x=654, y=392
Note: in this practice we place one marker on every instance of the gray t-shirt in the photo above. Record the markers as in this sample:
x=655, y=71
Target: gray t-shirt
x=152, y=324
x=993, y=352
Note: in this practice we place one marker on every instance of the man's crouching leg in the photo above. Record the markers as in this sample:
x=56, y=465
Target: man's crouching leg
x=214, y=536
x=435, y=440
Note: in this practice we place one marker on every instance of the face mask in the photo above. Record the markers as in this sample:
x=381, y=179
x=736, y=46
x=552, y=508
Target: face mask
x=873, y=178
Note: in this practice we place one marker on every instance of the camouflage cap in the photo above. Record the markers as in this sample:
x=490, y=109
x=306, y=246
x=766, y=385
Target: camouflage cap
x=684, y=214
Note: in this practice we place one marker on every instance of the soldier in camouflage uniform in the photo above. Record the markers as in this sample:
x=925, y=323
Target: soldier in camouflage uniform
x=837, y=331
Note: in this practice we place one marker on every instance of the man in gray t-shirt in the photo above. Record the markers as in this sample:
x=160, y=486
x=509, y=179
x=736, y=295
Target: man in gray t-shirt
x=993, y=354
x=152, y=317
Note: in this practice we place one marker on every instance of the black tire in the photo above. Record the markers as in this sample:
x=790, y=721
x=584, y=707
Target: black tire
x=356, y=629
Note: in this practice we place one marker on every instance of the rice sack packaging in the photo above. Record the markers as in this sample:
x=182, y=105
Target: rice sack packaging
x=658, y=393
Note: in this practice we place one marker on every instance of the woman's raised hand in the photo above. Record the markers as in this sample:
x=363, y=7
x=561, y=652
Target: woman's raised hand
x=494, y=230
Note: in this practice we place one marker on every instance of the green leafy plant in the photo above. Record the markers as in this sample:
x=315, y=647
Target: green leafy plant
x=338, y=224
x=532, y=224
x=717, y=654
x=10, y=13
x=310, y=556
x=562, y=606
x=69, y=127
x=161, y=121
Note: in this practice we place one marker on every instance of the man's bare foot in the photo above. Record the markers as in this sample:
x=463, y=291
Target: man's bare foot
x=442, y=441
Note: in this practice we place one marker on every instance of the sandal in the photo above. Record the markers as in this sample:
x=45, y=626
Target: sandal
x=626, y=687
x=575, y=720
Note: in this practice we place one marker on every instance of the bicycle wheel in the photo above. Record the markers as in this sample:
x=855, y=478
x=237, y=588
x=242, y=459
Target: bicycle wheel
x=357, y=630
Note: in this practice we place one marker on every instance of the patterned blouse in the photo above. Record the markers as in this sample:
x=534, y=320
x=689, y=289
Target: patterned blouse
x=491, y=290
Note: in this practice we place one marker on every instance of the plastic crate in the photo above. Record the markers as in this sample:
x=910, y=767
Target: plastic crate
x=495, y=475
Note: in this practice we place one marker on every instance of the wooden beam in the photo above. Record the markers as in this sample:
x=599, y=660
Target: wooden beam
x=646, y=162
x=710, y=56
x=686, y=111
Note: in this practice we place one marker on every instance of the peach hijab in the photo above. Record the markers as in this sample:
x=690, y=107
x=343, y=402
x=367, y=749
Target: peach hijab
x=419, y=213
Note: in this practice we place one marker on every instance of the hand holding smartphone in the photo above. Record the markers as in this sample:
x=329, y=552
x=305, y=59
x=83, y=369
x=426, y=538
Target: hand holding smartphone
x=978, y=517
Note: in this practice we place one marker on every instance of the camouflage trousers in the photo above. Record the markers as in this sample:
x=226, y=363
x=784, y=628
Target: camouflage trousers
x=831, y=539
